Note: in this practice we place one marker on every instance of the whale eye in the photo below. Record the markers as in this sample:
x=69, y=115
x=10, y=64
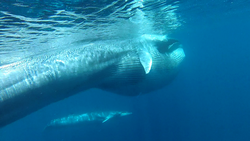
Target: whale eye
x=167, y=46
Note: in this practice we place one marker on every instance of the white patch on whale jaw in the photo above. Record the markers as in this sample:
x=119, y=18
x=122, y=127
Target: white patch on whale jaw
x=177, y=55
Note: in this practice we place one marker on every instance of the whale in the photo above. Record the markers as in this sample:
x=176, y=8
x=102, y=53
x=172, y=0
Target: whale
x=127, y=67
x=84, y=119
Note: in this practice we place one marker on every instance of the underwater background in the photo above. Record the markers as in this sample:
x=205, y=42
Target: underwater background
x=208, y=100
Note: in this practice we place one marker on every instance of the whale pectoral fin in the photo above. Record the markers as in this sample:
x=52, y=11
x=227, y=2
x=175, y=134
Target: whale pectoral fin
x=106, y=119
x=146, y=61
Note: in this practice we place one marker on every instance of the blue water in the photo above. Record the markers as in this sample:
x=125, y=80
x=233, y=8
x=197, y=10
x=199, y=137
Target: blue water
x=209, y=99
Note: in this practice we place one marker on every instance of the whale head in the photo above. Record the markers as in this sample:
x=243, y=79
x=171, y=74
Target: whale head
x=166, y=57
x=154, y=65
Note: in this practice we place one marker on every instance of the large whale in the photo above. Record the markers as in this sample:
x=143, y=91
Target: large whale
x=93, y=117
x=126, y=67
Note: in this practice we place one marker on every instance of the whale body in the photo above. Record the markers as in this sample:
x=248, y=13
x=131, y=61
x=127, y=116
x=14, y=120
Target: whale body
x=93, y=117
x=127, y=67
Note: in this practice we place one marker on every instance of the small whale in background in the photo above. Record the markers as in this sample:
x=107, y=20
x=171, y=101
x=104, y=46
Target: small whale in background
x=127, y=67
x=93, y=117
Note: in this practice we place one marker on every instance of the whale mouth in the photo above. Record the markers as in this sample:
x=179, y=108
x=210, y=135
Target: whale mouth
x=162, y=42
x=167, y=46
x=172, y=48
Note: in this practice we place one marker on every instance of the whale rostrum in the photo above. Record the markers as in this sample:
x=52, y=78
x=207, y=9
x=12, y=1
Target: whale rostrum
x=71, y=120
x=127, y=67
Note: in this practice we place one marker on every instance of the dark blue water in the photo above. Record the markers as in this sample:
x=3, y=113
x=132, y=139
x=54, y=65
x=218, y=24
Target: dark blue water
x=209, y=100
